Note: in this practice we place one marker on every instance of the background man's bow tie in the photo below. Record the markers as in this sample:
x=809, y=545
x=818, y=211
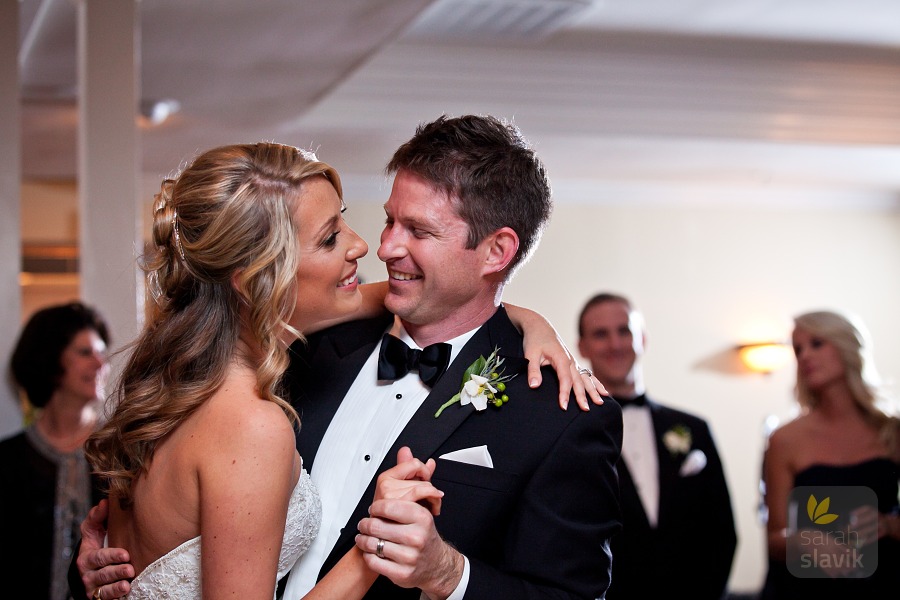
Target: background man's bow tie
x=636, y=401
x=396, y=359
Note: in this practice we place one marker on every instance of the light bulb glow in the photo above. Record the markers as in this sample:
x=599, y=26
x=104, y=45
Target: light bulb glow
x=765, y=357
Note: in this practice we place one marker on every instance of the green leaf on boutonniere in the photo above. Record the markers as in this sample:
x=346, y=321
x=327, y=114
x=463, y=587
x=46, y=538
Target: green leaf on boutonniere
x=482, y=382
x=474, y=369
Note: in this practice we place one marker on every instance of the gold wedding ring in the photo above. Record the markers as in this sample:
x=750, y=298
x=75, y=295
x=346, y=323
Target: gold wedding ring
x=96, y=595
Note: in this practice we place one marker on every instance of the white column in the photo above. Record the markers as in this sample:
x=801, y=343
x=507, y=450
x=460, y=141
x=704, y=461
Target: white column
x=109, y=162
x=10, y=222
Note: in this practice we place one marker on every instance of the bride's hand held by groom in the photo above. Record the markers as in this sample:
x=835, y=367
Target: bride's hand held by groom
x=410, y=481
x=399, y=539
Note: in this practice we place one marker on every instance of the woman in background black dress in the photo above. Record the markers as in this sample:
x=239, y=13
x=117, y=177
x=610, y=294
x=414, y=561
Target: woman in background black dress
x=844, y=436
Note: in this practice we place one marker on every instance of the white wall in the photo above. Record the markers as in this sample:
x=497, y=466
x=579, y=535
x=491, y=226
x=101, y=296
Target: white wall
x=707, y=279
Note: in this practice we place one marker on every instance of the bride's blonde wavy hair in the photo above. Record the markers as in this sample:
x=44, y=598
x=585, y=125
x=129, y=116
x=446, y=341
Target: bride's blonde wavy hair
x=223, y=266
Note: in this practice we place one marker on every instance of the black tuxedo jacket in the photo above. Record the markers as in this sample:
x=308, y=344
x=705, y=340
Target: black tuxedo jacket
x=536, y=525
x=692, y=546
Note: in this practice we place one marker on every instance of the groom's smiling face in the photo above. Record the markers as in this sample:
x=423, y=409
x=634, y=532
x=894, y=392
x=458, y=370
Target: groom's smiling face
x=433, y=278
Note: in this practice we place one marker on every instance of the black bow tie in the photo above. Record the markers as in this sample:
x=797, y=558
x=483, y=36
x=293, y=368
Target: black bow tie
x=396, y=359
x=636, y=401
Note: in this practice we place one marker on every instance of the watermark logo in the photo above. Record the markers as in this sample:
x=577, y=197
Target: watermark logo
x=832, y=532
x=818, y=512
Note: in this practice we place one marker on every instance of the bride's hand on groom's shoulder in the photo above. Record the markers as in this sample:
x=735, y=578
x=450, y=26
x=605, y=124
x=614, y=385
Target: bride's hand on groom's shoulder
x=106, y=569
x=543, y=346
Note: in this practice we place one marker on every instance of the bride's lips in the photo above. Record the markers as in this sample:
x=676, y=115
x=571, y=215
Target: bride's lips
x=348, y=281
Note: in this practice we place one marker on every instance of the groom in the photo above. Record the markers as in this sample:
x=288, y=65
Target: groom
x=531, y=495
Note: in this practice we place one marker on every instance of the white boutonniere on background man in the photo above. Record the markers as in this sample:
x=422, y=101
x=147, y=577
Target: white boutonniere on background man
x=483, y=383
x=678, y=441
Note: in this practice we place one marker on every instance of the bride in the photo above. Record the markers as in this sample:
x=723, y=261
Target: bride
x=199, y=456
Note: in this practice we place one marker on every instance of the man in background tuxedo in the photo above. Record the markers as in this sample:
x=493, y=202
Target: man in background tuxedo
x=678, y=528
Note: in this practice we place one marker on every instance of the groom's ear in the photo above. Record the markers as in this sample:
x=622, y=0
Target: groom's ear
x=500, y=248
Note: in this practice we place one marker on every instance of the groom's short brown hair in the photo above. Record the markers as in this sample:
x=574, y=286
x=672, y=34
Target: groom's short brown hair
x=489, y=172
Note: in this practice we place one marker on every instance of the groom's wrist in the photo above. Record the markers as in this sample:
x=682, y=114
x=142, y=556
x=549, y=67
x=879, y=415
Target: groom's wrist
x=451, y=578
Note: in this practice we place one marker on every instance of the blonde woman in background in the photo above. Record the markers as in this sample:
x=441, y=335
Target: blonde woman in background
x=843, y=437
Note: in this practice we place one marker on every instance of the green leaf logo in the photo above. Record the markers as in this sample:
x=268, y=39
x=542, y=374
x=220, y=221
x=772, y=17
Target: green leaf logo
x=818, y=511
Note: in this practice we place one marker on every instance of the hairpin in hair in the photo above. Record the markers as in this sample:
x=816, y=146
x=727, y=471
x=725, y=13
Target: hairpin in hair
x=177, y=237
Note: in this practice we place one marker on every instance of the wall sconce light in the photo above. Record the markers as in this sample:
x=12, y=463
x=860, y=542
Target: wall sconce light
x=765, y=357
x=156, y=112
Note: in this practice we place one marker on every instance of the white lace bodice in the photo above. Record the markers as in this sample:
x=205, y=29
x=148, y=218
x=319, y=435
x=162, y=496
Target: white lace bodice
x=176, y=575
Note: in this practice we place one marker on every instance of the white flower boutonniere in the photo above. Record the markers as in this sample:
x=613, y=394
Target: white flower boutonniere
x=483, y=383
x=678, y=440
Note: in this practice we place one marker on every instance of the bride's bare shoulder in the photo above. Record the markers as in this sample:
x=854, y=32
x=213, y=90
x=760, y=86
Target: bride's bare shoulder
x=236, y=418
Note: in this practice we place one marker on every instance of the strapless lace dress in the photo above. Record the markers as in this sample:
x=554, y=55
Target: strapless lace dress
x=176, y=575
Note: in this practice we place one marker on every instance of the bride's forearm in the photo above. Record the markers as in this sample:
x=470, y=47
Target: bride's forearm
x=349, y=579
x=524, y=318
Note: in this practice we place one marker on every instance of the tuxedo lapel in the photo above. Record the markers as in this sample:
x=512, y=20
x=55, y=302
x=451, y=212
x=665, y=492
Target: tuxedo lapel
x=634, y=515
x=424, y=433
x=668, y=463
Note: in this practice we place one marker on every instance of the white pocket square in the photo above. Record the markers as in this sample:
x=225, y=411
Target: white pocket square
x=478, y=456
x=693, y=463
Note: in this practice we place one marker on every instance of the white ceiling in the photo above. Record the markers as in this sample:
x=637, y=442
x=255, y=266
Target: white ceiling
x=618, y=96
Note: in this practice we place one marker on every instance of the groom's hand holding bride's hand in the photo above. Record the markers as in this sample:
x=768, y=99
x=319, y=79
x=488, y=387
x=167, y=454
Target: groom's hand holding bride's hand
x=399, y=539
x=103, y=569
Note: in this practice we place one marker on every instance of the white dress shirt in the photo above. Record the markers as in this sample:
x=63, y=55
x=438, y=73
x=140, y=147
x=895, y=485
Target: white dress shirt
x=365, y=426
x=639, y=454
